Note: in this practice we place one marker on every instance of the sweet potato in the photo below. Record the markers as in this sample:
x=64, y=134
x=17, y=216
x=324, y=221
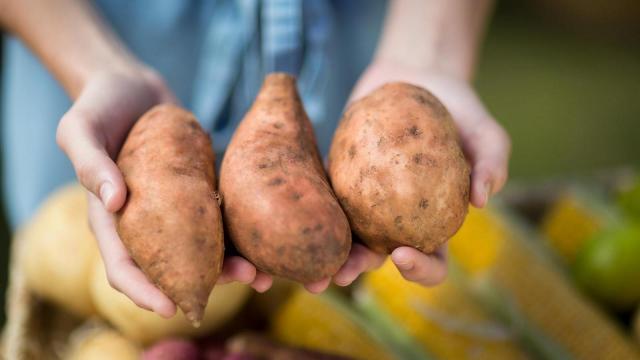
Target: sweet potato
x=398, y=170
x=171, y=223
x=279, y=209
x=173, y=349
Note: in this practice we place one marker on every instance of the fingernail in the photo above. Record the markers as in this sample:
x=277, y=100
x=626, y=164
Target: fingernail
x=106, y=192
x=401, y=260
x=405, y=266
x=342, y=281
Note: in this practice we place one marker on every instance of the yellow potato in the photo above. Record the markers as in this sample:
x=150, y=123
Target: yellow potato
x=59, y=251
x=102, y=344
x=147, y=327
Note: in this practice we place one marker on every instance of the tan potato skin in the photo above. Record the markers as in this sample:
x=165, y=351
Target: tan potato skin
x=398, y=171
x=279, y=209
x=171, y=223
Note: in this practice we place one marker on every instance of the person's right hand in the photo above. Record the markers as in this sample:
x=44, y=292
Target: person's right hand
x=91, y=133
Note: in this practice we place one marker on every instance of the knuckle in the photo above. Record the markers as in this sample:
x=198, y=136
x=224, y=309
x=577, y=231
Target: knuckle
x=61, y=130
x=84, y=171
x=113, y=279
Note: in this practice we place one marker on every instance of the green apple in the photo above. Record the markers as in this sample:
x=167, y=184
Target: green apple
x=629, y=200
x=608, y=266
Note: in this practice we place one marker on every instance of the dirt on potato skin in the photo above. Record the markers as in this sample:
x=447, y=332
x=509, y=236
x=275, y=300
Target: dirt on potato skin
x=279, y=208
x=171, y=223
x=398, y=170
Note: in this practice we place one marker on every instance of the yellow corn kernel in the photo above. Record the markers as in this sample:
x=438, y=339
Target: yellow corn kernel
x=444, y=319
x=571, y=221
x=480, y=254
x=313, y=322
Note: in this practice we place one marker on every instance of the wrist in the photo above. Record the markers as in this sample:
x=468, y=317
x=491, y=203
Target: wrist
x=94, y=65
x=398, y=70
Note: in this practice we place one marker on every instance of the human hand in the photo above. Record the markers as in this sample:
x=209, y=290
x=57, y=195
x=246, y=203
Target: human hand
x=485, y=143
x=91, y=134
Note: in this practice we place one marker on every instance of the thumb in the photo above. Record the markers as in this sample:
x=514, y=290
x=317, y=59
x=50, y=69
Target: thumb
x=96, y=171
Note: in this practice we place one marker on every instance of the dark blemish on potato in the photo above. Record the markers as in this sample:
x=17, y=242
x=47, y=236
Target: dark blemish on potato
x=424, y=203
x=414, y=131
x=255, y=237
x=193, y=125
x=130, y=152
x=280, y=250
x=430, y=101
x=200, y=241
x=182, y=171
x=201, y=210
x=422, y=159
x=278, y=125
x=419, y=98
x=296, y=196
x=276, y=181
x=352, y=151
x=159, y=231
x=398, y=222
x=380, y=141
x=267, y=164
x=347, y=117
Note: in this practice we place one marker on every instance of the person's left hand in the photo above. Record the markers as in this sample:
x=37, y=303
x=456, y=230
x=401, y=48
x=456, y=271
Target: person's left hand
x=485, y=143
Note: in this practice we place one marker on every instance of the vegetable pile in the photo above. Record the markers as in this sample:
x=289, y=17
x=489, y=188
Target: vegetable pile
x=400, y=179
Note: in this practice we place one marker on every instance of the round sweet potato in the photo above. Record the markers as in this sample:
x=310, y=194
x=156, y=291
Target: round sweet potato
x=398, y=171
x=279, y=209
x=171, y=223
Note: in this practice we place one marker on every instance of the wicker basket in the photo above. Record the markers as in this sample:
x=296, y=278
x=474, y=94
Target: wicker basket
x=35, y=329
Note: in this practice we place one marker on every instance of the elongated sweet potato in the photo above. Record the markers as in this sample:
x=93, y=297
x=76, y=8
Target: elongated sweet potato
x=171, y=223
x=279, y=209
x=398, y=171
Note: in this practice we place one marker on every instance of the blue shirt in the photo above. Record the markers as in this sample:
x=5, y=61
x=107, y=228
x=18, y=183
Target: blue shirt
x=213, y=55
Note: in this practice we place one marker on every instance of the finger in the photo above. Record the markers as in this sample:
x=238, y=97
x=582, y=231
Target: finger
x=94, y=168
x=318, y=286
x=425, y=269
x=121, y=271
x=488, y=146
x=360, y=259
x=262, y=282
x=238, y=269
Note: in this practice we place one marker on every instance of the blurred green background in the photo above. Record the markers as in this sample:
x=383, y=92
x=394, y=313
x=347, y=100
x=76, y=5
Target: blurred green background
x=563, y=77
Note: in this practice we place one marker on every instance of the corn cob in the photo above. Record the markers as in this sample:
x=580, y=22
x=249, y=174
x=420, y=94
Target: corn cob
x=529, y=292
x=323, y=323
x=445, y=319
x=574, y=218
